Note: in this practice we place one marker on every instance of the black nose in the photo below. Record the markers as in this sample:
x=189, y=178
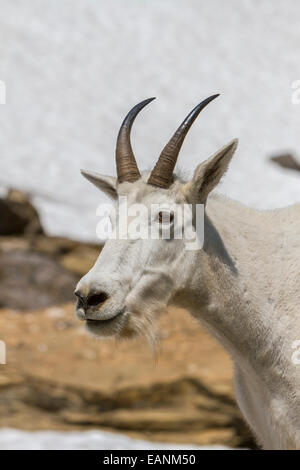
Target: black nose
x=92, y=300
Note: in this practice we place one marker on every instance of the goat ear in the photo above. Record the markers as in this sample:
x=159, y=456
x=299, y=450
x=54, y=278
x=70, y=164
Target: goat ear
x=107, y=184
x=208, y=174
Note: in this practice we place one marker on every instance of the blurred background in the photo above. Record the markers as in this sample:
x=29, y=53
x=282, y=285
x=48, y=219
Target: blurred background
x=69, y=73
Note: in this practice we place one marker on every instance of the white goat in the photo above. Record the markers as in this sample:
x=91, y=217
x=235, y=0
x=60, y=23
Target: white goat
x=244, y=283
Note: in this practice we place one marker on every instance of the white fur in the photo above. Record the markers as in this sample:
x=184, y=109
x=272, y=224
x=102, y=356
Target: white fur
x=244, y=285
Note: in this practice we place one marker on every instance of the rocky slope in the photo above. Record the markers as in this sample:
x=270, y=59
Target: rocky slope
x=40, y=271
x=36, y=270
x=57, y=377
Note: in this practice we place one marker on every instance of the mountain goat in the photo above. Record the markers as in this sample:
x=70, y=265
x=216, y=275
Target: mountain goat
x=243, y=283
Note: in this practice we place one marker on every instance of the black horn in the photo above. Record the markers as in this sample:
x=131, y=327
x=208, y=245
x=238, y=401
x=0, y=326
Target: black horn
x=162, y=173
x=127, y=169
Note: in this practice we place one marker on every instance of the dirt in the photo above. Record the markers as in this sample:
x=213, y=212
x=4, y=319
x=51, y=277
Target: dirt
x=58, y=377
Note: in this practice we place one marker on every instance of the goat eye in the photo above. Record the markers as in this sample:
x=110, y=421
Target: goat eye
x=165, y=217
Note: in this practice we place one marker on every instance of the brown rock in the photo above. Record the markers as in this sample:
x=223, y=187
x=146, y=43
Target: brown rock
x=30, y=280
x=80, y=259
x=286, y=160
x=39, y=271
x=18, y=215
x=70, y=381
x=10, y=380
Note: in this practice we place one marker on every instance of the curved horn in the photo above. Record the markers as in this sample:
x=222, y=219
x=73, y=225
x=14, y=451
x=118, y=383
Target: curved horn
x=162, y=173
x=127, y=169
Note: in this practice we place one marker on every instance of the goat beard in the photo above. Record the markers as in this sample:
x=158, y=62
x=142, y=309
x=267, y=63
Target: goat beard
x=144, y=321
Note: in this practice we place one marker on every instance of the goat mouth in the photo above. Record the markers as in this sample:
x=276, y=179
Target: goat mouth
x=107, y=321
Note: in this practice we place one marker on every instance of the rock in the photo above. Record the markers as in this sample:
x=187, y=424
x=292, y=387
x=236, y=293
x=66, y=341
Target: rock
x=37, y=270
x=185, y=395
x=153, y=420
x=30, y=280
x=286, y=160
x=18, y=215
x=10, y=380
x=80, y=259
x=40, y=271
